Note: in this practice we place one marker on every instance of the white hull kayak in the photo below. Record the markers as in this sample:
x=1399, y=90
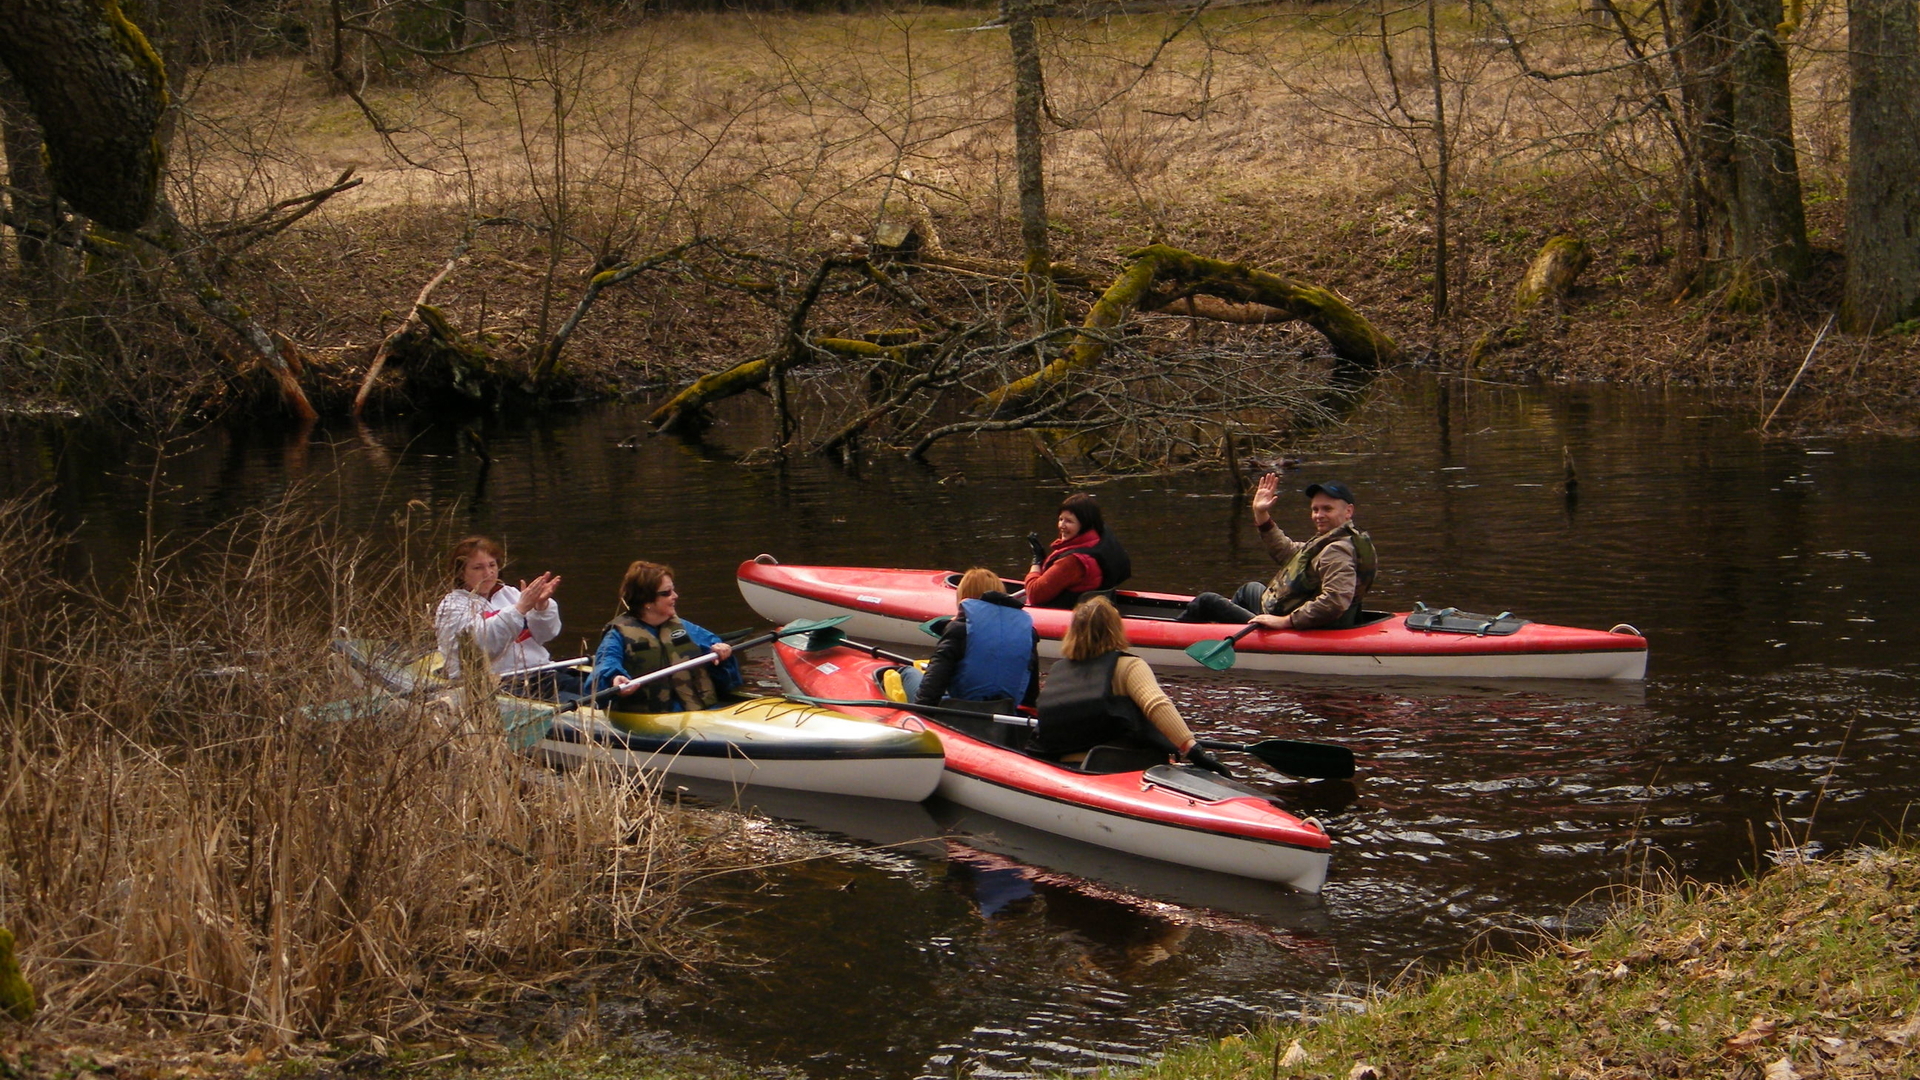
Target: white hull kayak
x=891, y=605
x=856, y=764
x=745, y=742
x=1171, y=813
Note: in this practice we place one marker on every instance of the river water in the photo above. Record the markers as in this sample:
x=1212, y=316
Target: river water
x=1773, y=578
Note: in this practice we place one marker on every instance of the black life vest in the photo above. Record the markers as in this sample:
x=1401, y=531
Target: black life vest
x=1299, y=580
x=1079, y=710
x=650, y=649
x=1112, y=559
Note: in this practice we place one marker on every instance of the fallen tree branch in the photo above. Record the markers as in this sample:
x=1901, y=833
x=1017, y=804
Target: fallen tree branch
x=235, y=317
x=600, y=282
x=410, y=325
x=264, y=224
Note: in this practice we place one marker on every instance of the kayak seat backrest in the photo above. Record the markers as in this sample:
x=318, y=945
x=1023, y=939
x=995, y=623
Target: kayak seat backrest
x=1113, y=758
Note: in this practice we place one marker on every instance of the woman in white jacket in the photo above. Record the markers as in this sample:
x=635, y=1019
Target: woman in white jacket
x=509, y=626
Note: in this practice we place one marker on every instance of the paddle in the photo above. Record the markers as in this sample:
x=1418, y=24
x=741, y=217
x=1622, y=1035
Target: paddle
x=1218, y=655
x=1309, y=760
x=816, y=629
x=547, y=667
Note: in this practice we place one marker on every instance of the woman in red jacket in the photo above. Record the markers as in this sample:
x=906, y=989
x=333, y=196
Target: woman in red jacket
x=1085, y=559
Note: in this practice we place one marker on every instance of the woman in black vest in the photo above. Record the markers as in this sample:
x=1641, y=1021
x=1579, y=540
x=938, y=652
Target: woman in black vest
x=1099, y=693
x=648, y=635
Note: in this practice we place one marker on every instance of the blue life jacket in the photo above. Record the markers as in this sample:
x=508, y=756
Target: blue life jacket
x=999, y=647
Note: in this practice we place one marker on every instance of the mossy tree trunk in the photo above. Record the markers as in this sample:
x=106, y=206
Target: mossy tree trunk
x=1753, y=222
x=1160, y=276
x=98, y=89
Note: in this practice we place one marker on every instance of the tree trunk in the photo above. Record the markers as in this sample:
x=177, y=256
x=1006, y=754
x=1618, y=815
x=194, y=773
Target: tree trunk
x=1754, y=233
x=1443, y=154
x=1029, y=98
x=32, y=201
x=98, y=90
x=1883, y=200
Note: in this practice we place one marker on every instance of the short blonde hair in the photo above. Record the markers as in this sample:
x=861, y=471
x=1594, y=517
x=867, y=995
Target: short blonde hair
x=976, y=583
x=1095, y=630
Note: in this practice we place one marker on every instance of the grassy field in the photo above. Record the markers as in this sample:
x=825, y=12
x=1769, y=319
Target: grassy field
x=1293, y=138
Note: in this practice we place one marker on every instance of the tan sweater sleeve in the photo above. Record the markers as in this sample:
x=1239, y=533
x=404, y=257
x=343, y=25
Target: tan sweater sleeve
x=1132, y=677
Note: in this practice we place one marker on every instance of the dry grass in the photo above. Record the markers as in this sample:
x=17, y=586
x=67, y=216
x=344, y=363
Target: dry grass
x=202, y=836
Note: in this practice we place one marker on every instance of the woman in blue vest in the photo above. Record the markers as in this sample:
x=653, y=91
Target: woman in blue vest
x=1100, y=693
x=648, y=635
x=989, y=650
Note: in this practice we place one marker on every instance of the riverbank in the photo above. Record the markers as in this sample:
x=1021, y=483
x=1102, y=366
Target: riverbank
x=1809, y=971
x=787, y=139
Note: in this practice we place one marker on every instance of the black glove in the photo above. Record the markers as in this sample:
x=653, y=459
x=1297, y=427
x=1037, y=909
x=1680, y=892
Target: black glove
x=1200, y=758
x=1039, y=549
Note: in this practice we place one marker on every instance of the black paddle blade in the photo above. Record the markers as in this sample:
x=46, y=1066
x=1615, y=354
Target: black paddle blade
x=1312, y=760
x=824, y=638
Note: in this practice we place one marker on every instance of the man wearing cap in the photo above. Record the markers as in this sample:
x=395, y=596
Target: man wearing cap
x=1321, y=581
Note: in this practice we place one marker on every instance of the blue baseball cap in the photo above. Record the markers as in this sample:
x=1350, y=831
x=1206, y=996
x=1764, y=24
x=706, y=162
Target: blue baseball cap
x=1334, y=488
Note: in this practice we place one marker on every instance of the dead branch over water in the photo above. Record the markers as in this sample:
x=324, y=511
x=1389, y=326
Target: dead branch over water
x=202, y=830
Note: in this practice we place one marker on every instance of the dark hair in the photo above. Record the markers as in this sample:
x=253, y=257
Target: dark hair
x=641, y=586
x=466, y=549
x=1082, y=506
x=1094, y=630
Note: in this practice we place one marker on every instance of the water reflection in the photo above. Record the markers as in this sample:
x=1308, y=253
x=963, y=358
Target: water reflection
x=1772, y=578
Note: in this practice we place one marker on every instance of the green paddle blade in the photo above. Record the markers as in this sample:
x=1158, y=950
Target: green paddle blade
x=1213, y=655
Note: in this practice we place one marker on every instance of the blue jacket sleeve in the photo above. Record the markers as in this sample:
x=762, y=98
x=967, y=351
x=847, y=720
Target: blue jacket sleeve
x=609, y=659
x=725, y=676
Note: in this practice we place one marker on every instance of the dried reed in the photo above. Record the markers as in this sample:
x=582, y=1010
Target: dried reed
x=205, y=831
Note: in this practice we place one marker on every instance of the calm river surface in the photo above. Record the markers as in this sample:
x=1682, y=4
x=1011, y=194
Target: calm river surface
x=1775, y=580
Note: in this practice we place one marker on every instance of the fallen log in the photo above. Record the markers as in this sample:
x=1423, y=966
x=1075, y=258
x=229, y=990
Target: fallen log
x=1176, y=275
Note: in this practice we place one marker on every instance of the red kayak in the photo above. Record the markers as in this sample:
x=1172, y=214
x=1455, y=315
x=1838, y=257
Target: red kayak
x=890, y=606
x=1174, y=813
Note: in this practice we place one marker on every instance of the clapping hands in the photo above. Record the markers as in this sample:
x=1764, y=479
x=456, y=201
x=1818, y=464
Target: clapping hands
x=536, y=593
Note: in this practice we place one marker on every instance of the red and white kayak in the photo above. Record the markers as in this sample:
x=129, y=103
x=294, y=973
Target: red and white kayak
x=1173, y=813
x=890, y=606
